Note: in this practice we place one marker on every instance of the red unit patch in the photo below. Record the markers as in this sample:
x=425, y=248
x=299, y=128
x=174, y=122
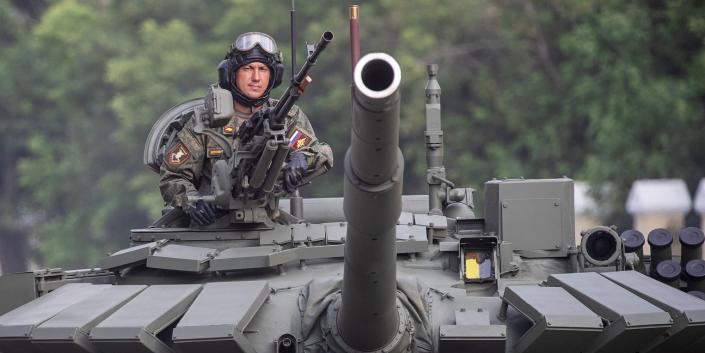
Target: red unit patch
x=228, y=130
x=178, y=155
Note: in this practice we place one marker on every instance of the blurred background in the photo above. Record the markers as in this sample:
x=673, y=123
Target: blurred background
x=607, y=92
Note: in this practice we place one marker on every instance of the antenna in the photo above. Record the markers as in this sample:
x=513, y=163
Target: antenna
x=354, y=37
x=292, y=13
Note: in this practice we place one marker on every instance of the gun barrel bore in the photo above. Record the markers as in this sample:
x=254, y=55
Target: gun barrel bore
x=369, y=318
x=375, y=127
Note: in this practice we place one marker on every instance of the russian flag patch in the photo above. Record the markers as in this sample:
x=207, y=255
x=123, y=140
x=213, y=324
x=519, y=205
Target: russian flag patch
x=299, y=140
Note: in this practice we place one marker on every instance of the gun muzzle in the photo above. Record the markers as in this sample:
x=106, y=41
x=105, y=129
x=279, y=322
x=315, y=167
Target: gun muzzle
x=326, y=38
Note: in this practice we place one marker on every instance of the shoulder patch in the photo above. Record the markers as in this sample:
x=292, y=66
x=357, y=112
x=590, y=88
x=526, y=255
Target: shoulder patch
x=299, y=139
x=228, y=130
x=214, y=152
x=178, y=155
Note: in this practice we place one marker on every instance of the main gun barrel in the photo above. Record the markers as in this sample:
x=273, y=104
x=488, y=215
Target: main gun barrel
x=374, y=168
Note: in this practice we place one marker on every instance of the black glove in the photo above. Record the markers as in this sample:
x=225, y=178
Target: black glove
x=253, y=125
x=295, y=171
x=200, y=211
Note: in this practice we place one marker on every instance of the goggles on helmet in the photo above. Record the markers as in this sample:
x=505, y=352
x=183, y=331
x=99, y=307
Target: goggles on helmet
x=247, y=41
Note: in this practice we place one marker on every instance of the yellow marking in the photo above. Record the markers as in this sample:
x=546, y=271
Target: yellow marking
x=354, y=12
x=215, y=152
x=472, y=268
x=300, y=143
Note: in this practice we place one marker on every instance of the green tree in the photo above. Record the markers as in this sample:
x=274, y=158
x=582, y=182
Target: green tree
x=14, y=106
x=605, y=91
x=73, y=154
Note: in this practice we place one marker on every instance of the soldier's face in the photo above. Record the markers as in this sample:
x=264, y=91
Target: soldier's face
x=252, y=79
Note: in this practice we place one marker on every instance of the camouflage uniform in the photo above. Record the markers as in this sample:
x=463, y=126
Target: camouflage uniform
x=186, y=167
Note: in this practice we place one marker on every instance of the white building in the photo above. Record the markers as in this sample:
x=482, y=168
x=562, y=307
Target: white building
x=586, y=209
x=659, y=203
x=700, y=202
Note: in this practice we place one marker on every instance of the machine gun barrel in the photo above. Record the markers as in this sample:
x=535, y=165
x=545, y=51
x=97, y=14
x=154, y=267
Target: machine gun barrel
x=296, y=87
x=373, y=183
x=299, y=82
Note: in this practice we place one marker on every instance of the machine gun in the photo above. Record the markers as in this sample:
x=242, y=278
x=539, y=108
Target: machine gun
x=244, y=183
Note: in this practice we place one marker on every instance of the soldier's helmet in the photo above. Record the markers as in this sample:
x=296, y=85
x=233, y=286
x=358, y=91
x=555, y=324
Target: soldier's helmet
x=247, y=48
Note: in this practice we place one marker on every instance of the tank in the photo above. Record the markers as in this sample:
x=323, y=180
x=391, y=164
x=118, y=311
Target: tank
x=373, y=271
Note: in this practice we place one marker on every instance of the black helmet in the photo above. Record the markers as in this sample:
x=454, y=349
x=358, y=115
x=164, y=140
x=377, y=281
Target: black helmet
x=247, y=48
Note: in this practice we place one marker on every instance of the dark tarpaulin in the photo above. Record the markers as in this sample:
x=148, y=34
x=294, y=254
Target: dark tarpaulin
x=320, y=293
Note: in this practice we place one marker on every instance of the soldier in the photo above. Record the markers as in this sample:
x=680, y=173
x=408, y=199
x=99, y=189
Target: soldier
x=251, y=69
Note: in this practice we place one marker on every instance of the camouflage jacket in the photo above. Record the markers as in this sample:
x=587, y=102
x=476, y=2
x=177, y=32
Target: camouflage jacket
x=187, y=164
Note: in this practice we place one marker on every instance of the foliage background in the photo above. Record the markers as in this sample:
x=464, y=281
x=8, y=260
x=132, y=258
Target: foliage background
x=598, y=90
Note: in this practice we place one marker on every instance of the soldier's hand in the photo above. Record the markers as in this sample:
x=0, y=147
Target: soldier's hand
x=253, y=125
x=295, y=171
x=200, y=211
